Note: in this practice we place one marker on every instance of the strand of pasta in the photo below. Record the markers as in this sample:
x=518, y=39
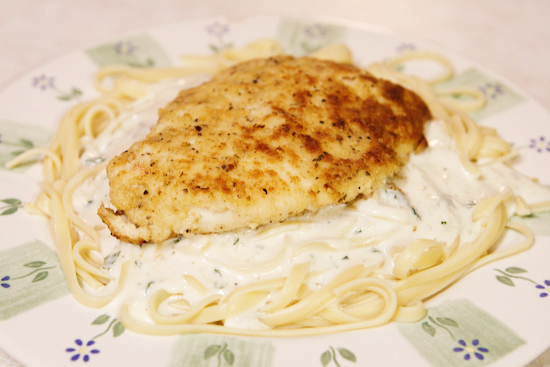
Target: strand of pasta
x=526, y=244
x=463, y=256
x=61, y=165
x=141, y=327
x=160, y=296
x=476, y=101
x=21, y=158
x=469, y=136
x=74, y=182
x=425, y=290
x=234, y=303
x=422, y=291
x=91, y=266
x=411, y=312
x=290, y=288
x=191, y=65
x=64, y=248
x=331, y=295
x=540, y=207
x=419, y=254
x=425, y=55
x=524, y=209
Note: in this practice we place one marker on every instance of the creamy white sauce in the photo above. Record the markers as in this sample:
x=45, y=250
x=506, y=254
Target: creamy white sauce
x=435, y=200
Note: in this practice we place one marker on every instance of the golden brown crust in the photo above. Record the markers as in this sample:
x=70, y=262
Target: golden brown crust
x=262, y=141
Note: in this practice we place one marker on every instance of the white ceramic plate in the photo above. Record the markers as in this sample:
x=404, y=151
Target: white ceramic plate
x=498, y=315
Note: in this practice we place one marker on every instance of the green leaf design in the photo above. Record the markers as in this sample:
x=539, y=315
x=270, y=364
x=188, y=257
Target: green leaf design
x=27, y=143
x=347, y=354
x=9, y=211
x=11, y=201
x=134, y=64
x=101, y=319
x=118, y=329
x=505, y=280
x=446, y=321
x=40, y=276
x=428, y=328
x=35, y=264
x=515, y=270
x=229, y=357
x=212, y=350
x=326, y=357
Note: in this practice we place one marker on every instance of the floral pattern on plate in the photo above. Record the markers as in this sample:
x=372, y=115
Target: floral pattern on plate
x=543, y=288
x=209, y=350
x=89, y=348
x=330, y=356
x=47, y=83
x=10, y=206
x=30, y=276
x=218, y=30
x=540, y=144
x=500, y=97
x=538, y=222
x=140, y=50
x=299, y=38
x=16, y=138
x=458, y=333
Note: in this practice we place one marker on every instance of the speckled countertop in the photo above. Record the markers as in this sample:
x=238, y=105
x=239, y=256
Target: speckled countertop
x=510, y=37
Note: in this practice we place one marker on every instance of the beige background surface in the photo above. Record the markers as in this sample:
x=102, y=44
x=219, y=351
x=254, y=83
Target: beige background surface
x=510, y=37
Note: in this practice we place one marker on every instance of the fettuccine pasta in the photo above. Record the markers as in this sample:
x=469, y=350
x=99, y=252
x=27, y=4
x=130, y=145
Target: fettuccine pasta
x=345, y=268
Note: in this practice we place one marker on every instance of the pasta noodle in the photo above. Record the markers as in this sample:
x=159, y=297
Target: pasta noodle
x=356, y=297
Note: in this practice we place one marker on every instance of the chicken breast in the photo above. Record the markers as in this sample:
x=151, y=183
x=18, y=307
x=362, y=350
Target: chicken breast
x=262, y=141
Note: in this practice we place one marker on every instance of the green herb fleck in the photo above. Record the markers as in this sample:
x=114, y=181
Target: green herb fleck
x=111, y=259
x=94, y=161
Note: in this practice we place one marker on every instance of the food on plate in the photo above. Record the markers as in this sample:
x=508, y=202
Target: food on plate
x=262, y=141
x=363, y=231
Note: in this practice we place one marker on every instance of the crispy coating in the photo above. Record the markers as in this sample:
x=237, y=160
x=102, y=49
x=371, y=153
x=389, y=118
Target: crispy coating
x=262, y=141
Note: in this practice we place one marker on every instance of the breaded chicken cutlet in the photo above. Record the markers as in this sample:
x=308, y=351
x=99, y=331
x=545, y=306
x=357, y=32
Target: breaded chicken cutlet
x=262, y=141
